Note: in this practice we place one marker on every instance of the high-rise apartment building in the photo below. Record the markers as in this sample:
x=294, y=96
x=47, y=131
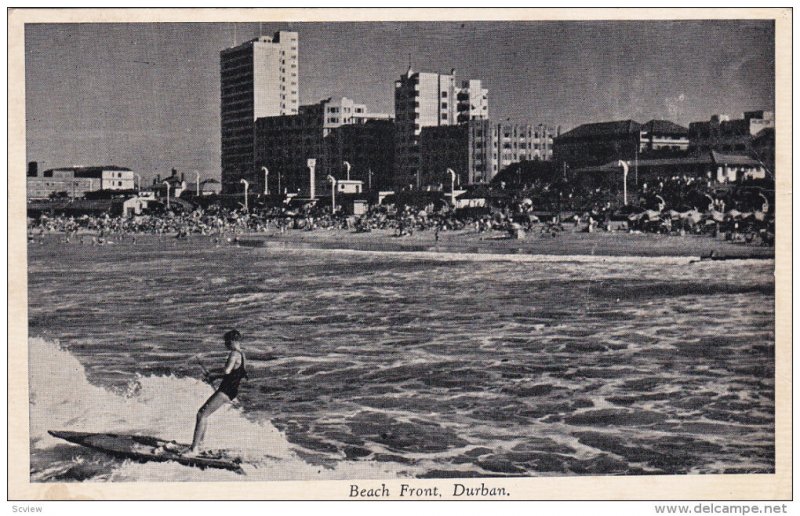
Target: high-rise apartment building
x=430, y=100
x=259, y=78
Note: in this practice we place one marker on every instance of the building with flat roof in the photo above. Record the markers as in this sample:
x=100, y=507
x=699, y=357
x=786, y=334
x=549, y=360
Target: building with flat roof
x=478, y=149
x=76, y=181
x=331, y=131
x=513, y=143
x=369, y=149
x=259, y=78
x=425, y=99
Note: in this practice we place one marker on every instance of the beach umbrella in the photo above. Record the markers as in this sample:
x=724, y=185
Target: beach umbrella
x=652, y=215
x=693, y=215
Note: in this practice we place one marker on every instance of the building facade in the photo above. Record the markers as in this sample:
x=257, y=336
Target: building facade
x=598, y=143
x=368, y=147
x=76, y=181
x=662, y=136
x=711, y=166
x=513, y=143
x=259, y=78
x=473, y=101
x=441, y=148
x=430, y=100
x=722, y=134
x=331, y=131
x=478, y=149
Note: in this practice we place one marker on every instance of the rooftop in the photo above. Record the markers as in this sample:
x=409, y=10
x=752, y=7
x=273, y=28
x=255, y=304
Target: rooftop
x=616, y=128
x=664, y=127
x=707, y=158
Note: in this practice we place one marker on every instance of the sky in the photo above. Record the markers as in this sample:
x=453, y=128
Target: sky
x=146, y=96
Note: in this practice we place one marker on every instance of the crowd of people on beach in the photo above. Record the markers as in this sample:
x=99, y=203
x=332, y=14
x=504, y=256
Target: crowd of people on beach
x=672, y=206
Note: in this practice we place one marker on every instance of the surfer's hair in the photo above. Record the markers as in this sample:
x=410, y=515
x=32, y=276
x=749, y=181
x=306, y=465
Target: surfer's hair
x=232, y=335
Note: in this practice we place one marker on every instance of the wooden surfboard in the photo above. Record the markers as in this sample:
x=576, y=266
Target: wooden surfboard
x=143, y=448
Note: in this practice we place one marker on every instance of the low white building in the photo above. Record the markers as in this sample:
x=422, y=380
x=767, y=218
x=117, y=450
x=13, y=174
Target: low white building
x=76, y=181
x=349, y=186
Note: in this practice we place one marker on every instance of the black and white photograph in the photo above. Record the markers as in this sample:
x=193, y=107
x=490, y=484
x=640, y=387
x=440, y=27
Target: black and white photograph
x=376, y=251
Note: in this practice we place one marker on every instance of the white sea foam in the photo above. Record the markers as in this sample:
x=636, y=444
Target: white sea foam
x=506, y=257
x=62, y=398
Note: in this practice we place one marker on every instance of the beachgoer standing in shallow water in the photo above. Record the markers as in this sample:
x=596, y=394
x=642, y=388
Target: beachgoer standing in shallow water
x=226, y=392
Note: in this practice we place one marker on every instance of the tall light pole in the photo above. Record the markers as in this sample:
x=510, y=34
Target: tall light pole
x=333, y=193
x=624, y=181
x=246, y=187
x=167, y=183
x=347, y=166
x=197, y=183
x=369, y=178
x=266, y=181
x=138, y=181
x=452, y=186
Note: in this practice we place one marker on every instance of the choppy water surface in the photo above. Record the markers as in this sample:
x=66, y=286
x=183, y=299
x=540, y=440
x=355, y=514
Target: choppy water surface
x=367, y=365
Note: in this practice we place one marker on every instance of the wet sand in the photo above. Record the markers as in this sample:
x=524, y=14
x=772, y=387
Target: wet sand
x=466, y=241
x=567, y=243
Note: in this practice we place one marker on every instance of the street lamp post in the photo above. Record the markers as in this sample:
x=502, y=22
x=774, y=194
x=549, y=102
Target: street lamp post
x=347, y=166
x=167, y=183
x=452, y=186
x=765, y=204
x=197, y=183
x=266, y=181
x=138, y=182
x=624, y=181
x=369, y=178
x=333, y=193
x=246, y=187
x=711, y=202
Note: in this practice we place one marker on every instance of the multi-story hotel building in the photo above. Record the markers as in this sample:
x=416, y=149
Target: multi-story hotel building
x=259, y=78
x=430, y=100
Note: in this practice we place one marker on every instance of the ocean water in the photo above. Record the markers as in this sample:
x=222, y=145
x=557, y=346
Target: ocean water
x=384, y=365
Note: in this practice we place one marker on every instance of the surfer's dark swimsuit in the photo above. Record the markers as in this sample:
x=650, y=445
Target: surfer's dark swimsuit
x=230, y=382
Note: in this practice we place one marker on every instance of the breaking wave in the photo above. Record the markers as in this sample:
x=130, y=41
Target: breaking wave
x=62, y=398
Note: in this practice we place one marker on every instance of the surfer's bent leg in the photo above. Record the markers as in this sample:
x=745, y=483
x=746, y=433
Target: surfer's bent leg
x=216, y=400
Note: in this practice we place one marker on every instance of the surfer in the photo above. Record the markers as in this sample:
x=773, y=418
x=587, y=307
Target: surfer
x=227, y=390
